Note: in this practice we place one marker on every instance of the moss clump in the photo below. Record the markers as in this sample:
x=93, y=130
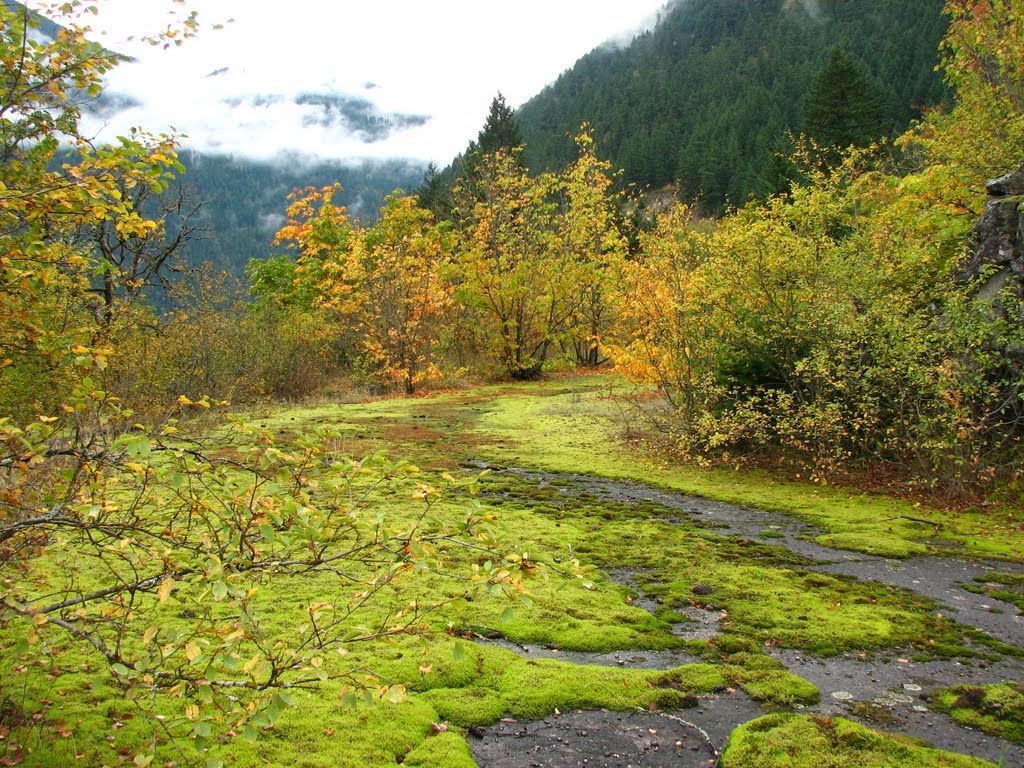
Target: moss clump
x=793, y=741
x=873, y=543
x=990, y=584
x=486, y=683
x=776, y=687
x=447, y=749
x=995, y=709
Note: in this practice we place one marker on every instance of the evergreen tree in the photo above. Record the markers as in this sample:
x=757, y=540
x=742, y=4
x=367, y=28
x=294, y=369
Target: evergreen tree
x=844, y=107
x=434, y=194
x=501, y=130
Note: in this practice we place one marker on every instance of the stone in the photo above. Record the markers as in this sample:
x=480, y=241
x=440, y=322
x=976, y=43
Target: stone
x=1011, y=183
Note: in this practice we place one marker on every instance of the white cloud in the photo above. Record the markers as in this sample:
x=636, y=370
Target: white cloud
x=445, y=59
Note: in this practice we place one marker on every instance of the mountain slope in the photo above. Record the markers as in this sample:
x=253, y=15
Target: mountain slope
x=244, y=202
x=705, y=99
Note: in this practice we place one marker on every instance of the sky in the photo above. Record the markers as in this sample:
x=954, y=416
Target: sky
x=445, y=59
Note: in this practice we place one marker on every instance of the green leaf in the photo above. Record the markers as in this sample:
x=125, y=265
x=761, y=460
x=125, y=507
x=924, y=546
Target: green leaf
x=508, y=614
x=139, y=446
x=458, y=652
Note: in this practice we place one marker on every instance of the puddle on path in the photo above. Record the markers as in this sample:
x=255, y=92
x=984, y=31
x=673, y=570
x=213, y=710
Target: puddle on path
x=882, y=690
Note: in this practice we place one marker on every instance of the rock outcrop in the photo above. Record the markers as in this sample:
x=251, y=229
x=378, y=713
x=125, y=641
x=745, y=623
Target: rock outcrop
x=996, y=247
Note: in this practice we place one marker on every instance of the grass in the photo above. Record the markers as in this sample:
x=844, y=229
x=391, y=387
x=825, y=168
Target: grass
x=575, y=425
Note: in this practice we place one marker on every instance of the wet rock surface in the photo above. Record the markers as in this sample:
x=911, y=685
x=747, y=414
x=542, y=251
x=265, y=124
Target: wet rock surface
x=882, y=690
x=887, y=692
x=689, y=738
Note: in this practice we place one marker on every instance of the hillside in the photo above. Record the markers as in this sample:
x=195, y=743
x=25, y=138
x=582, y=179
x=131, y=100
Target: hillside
x=705, y=99
x=244, y=201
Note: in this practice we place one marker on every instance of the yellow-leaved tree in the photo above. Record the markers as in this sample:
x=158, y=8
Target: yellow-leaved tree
x=512, y=270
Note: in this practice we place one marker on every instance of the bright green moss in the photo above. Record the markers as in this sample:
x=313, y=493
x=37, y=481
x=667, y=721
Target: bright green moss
x=873, y=543
x=793, y=741
x=446, y=749
x=995, y=709
x=564, y=426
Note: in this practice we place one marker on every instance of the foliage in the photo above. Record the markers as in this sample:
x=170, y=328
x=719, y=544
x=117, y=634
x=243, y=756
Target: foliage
x=159, y=526
x=45, y=273
x=403, y=265
x=805, y=328
x=512, y=271
x=385, y=287
x=843, y=107
x=592, y=236
x=219, y=342
x=662, y=336
x=981, y=137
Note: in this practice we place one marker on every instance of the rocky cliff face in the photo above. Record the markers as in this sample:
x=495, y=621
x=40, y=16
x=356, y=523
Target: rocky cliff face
x=996, y=246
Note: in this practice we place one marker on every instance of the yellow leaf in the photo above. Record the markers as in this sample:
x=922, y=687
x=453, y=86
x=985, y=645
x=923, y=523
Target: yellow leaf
x=149, y=634
x=193, y=651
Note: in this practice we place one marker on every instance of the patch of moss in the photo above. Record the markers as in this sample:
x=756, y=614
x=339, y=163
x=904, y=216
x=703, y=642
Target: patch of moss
x=448, y=749
x=792, y=741
x=873, y=543
x=995, y=709
x=816, y=612
x=485, y=684
x=990, y=584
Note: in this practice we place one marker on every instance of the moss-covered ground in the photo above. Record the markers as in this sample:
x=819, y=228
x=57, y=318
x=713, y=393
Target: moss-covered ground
x=994, y=709
x=793, y=741
x=452, y=683
x=577, y=425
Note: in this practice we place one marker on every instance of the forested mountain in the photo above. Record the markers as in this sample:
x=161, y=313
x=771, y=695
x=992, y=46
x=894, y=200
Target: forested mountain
x=244, y=201
x=707, y=98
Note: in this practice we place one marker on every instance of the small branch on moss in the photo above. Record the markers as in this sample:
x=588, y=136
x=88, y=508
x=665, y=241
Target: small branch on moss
x=932, y=523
